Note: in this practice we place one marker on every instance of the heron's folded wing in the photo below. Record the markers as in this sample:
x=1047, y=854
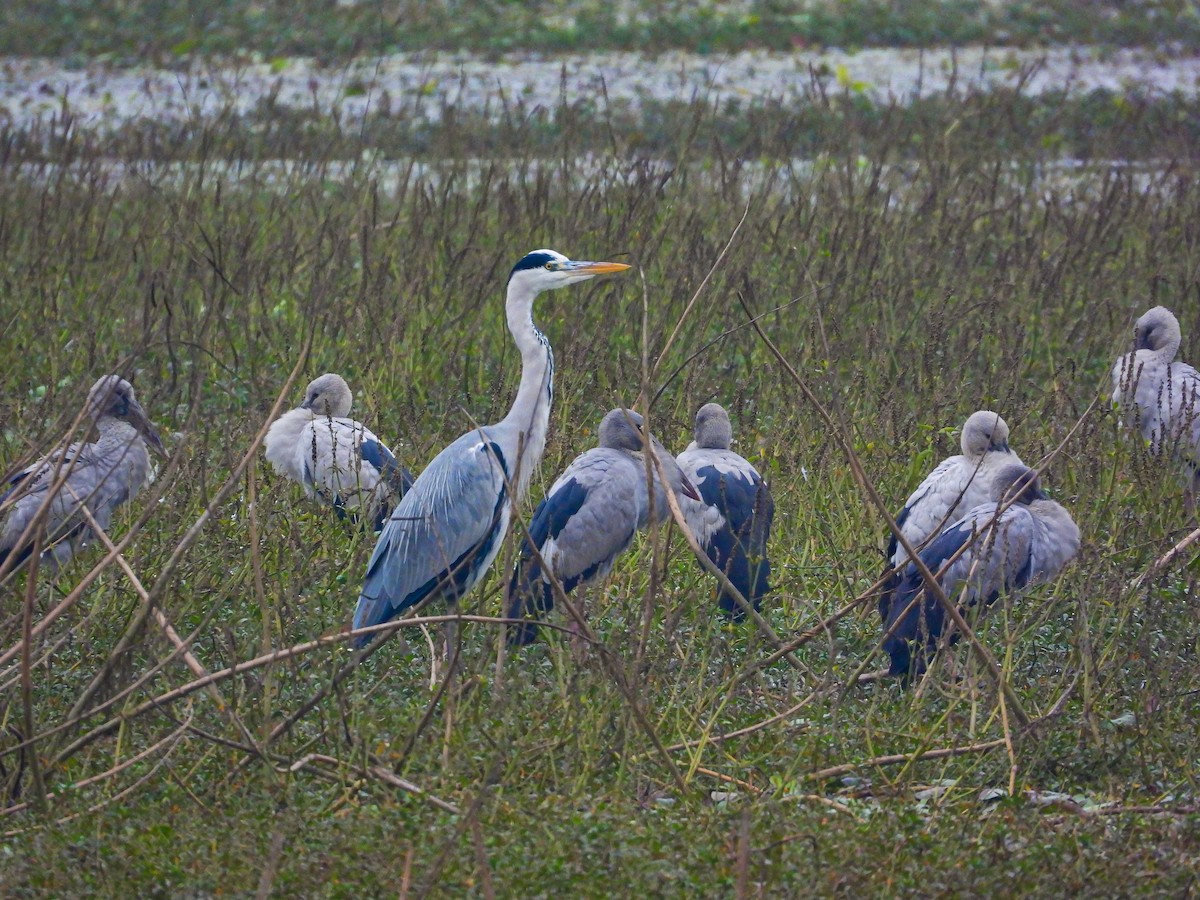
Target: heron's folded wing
x=451, y=519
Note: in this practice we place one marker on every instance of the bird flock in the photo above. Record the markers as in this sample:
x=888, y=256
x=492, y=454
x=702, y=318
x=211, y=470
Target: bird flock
x=979, y=527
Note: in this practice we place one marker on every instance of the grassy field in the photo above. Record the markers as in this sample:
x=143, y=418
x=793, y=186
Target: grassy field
x=922, y=265
x=338, y=31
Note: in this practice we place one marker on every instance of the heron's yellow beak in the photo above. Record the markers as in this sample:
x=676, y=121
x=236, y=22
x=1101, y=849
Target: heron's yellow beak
x=597, y=268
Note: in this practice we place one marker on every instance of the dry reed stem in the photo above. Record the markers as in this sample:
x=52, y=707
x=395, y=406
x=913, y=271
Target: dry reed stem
x=194, y=665
x=749, y=729
x=1166, y=559
x=378, y=773
x=108, y=773
x=720, y=776
x=893, y=759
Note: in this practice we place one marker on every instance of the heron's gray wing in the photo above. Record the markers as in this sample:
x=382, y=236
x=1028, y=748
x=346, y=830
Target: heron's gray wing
x=332, y=465
x=376, y=453
x=343, y=463
x=1056, y=540
x=703, y=518
x=443, y=534
x=29, y=478
x=1184, y=399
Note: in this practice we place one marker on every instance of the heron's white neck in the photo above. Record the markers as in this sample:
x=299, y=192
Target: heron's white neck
x=530, y=412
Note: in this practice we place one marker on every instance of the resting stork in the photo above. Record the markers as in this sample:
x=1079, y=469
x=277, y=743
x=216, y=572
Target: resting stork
x=732, y=520
x=1028, y=543
x=957, y=484
x=338, y=461
x=590, y=517
x=1160, y=396
x=444, y=534
x=101, y=475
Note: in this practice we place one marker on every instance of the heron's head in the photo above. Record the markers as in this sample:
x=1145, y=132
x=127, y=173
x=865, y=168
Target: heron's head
x=984, y=432
x=545, y=270
x=113, y=397
x=623, y=429
x=1019, y=484
x=713, y=431
x=328, y=395
x=1155, y=329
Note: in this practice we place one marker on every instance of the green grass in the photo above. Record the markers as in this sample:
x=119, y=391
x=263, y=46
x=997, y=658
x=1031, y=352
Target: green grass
x=77, y=29
x=932, y=282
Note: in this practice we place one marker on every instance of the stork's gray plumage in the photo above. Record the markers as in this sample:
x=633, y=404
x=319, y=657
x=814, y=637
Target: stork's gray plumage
x=1159, y=396
x=1030, y=542
x=732, y=520
x=444, y=534
x=102, y=474
x=957, y=484
x=590, y=517
x=338, y=461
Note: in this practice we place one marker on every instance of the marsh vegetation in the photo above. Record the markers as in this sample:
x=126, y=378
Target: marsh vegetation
x=923, y=262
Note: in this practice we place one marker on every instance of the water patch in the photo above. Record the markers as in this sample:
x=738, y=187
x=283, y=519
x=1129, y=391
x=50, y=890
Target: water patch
x=425, y=86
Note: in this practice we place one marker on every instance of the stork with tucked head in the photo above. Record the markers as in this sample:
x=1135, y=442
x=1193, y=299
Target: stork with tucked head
x=590, y=517
x=1160, y=395
x=956, y=485
x=732, y=520
x=337, y=460
x=101, y=474
x=446, y=531
x=1028, y=543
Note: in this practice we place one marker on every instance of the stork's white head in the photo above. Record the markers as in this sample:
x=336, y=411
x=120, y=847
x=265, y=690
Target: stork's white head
x=1157, y=329
x=623, y=429
x=984, y=432
x=545, y=270
x=713, y=431
x=328, y=395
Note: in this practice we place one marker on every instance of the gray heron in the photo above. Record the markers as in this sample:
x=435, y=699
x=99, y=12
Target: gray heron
x=732, y=519
x=102, y=475
x=1159, y=395
x=590, y=516
x=1028, y=543
x=444, y=534
x=338, y=461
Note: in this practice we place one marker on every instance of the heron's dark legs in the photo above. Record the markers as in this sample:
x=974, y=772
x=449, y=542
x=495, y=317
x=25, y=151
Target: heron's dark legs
x=451, y=646
x=576, y=629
